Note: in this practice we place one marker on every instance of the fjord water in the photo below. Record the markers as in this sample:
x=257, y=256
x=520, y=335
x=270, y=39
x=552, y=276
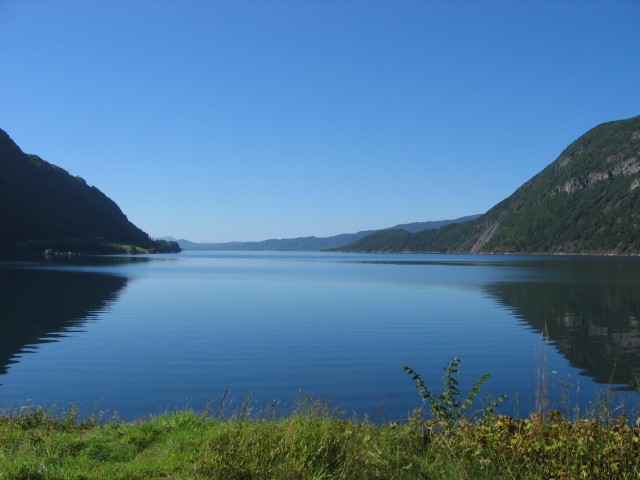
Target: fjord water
x=141, y=335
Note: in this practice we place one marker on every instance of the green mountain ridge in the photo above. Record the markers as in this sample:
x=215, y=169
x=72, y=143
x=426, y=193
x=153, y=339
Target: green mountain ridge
x=42, y=207
x=586, y=202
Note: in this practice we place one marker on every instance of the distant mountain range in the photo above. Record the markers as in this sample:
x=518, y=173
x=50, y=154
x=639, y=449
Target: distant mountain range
x=43, y=207
x=312, y=243
x=586, y=202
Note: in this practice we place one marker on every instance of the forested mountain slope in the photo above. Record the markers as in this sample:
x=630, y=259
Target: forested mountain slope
x=586, y=201
x=43, y=206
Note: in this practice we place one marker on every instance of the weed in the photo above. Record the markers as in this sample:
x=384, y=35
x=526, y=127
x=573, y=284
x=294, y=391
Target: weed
x=449, y=407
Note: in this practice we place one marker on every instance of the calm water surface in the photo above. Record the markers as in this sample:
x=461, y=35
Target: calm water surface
x=142, y=335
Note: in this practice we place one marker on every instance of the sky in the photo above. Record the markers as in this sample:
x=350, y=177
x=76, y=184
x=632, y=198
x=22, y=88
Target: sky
x=244, y=120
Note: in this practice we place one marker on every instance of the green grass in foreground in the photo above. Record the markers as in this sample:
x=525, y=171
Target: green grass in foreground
x=312, y=444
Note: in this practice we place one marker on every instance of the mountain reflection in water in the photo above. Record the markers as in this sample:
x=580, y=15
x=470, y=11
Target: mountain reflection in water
x=37, y=306
x=594, y=323
x=189, y=327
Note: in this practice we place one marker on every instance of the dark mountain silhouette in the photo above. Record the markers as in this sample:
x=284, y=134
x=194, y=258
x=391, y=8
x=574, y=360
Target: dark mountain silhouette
x=42, y=207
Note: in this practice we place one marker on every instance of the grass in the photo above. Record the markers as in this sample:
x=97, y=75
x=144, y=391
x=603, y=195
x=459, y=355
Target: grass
x=441, y=440
x=315, y=445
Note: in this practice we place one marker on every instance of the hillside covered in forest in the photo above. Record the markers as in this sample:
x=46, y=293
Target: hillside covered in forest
x=586, y=202
x=43, y=207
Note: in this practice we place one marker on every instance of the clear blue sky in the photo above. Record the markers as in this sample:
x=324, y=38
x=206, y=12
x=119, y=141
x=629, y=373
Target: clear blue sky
x=247, y=120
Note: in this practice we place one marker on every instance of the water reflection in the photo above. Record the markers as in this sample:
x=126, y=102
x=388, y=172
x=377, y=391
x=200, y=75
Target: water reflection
x=36, y=306
x=195, y=325
x=594, y=323
x=588, y=307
